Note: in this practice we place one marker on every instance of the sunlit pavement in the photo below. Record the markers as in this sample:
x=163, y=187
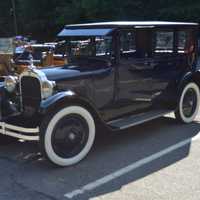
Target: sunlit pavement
x=157, y=160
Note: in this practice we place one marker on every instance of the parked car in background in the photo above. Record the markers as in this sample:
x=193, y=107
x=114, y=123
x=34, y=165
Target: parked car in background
x=42, y=55
x=6, y=54
x=119, y=74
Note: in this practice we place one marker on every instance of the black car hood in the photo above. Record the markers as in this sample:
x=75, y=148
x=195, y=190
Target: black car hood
x=64, y=72
x=73, y=71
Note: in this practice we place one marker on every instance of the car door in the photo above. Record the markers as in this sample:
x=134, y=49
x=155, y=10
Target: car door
x=134, y=72
x=170, y=63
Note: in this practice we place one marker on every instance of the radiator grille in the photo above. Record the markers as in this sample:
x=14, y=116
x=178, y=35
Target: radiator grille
x=30, y=92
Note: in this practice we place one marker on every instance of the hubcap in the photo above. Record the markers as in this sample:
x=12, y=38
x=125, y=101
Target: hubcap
x=70, y=136
x=189, y=102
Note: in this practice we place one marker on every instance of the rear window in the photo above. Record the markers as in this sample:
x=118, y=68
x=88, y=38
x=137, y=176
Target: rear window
x=164, y=42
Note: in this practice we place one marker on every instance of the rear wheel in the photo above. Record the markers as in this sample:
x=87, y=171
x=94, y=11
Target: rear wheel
x=67, y=135
x=189, y=103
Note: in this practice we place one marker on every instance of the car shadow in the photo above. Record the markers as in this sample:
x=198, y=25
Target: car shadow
x=111, y=152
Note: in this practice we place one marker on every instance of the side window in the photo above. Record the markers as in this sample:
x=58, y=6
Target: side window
x=127, y=42
x=186, y=42
x=164, y=42
x=103, y=46
x=182, y=41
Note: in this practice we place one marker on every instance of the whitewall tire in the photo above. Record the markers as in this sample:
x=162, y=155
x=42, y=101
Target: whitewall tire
x=67, y=135
x=189, y=102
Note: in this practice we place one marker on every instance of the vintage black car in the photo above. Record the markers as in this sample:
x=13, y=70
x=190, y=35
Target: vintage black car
x=119, y=74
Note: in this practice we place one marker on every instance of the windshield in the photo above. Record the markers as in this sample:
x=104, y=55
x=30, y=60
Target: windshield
x=88, y=47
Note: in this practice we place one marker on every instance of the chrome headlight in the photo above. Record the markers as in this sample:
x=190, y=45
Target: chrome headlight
x=47, y=88
x=10, y=83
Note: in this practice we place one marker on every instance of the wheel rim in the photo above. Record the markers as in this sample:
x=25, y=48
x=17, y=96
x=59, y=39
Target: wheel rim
x=70, y=135
x=189, y=102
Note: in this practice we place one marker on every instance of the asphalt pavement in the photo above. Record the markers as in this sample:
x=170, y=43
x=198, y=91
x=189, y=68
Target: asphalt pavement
x=158, y=160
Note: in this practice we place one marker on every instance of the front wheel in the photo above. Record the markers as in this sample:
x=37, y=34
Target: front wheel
x=188, y=104
x=67, y=135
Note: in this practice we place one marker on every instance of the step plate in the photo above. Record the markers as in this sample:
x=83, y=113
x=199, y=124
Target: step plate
x=133, y=120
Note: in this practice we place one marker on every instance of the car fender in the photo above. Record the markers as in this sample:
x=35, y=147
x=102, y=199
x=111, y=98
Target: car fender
x=184, y=80
x=188, y=77
x=66, y=98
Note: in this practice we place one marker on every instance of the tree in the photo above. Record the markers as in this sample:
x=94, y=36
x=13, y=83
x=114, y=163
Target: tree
x=43, y=19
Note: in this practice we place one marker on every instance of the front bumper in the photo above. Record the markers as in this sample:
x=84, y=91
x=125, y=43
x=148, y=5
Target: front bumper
x=31, y=134
x=17, y=127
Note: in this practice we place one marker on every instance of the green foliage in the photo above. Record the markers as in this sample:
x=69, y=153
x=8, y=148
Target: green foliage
x=44, y=18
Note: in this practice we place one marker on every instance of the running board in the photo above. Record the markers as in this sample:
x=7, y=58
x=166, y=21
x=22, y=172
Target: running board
x=133, y=120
